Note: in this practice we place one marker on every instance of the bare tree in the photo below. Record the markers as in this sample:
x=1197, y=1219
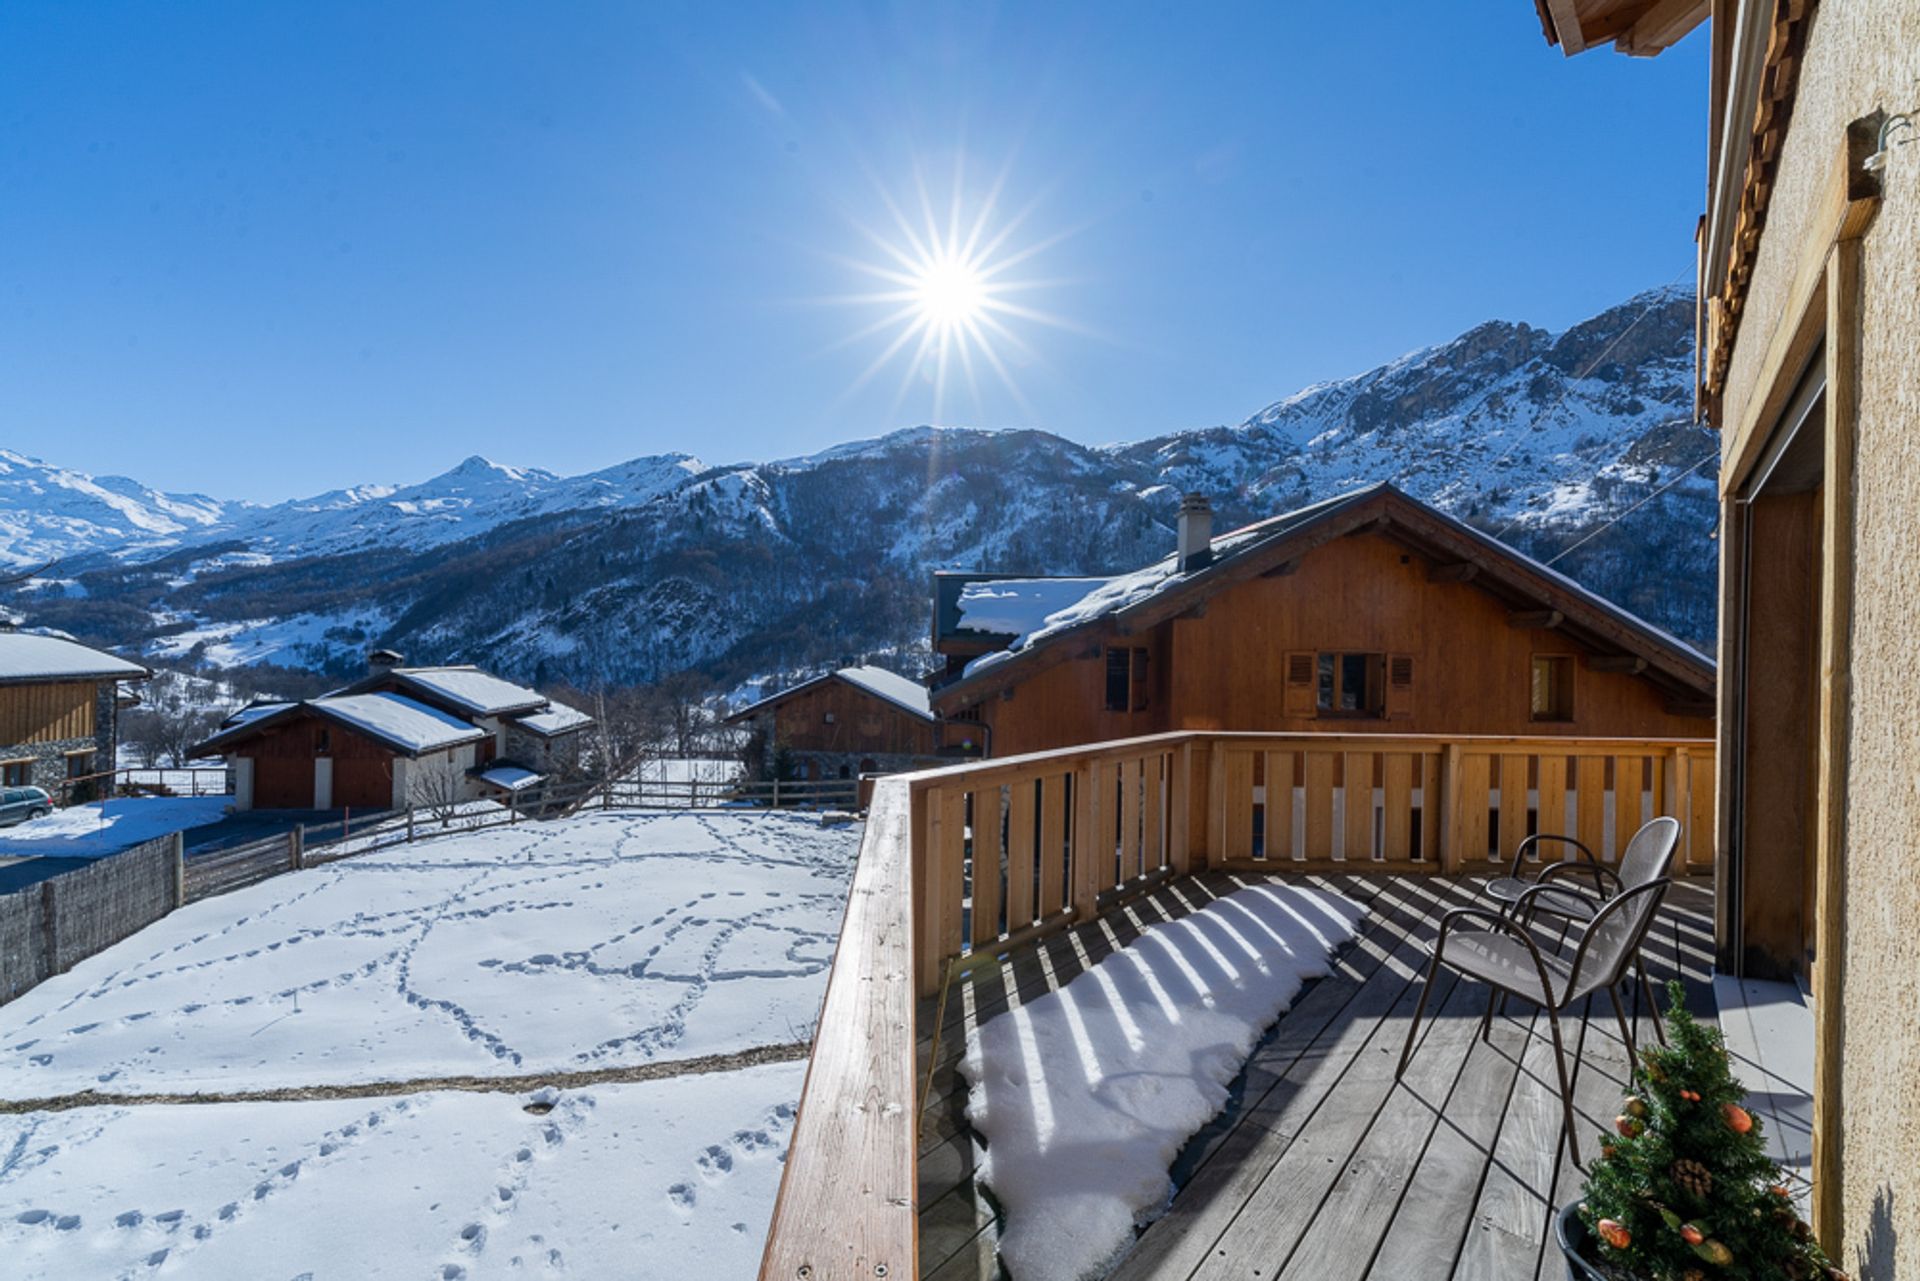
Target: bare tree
x=437, y=785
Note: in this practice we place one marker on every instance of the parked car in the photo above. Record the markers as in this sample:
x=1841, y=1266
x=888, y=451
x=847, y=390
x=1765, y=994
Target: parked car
x=18, y=804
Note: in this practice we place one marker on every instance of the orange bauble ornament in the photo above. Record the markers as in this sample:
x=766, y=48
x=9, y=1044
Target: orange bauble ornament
x=1614, y=1233
x=1739, y=1120
x=1691, y=1235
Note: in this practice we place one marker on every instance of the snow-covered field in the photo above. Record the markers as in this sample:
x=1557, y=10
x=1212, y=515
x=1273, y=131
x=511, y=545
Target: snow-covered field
x=604, y=941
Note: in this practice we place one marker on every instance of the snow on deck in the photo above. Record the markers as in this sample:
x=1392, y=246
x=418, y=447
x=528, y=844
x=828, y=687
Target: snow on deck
x=558, y=718
x=601, y=941
x=1086, y=1095
x=510, y=777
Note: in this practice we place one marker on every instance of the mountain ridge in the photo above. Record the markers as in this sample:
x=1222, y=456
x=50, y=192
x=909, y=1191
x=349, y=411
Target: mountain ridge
x=663, y=562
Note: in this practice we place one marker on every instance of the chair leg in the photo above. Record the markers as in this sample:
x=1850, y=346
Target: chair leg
x=1494, y=997
x=1413, y=1029
x=1620, y=1017
x=1566, y=1088
x=1653, y=1006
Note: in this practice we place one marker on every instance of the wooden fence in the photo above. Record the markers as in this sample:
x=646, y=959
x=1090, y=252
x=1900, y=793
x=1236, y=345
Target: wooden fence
x=960, y=865
x=53, y=925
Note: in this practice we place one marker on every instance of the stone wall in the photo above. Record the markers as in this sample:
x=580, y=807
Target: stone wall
x=1863, y=56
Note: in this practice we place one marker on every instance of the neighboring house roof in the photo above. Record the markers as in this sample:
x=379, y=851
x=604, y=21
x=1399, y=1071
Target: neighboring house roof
x=556, y=720
x=465, y=687
x=1159, y=591
x=907, y=695
x=395, y=721
x=509, y=778
x=1000, y=606
x=26, y=656
x=1640, y=27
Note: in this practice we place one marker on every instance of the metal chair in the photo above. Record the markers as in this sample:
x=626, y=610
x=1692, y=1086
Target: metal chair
x=1504, y=956
x=1649, y=854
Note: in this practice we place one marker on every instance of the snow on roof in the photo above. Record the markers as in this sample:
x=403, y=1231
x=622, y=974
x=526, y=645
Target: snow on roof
x=511, y=778
x=555, y=718
x=1016, y=606
x=909, y=696
x=25, y=656
x=1111, y=595
x=398, y=720
x=471, y=689
x=251, y=712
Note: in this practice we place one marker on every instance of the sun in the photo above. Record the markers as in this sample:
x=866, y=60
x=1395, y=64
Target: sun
x=950, y=293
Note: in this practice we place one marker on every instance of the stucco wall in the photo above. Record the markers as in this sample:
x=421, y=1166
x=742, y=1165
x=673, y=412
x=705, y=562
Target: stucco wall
x=1864, y=55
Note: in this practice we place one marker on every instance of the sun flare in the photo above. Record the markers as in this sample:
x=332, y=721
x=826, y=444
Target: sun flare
x=948, y=295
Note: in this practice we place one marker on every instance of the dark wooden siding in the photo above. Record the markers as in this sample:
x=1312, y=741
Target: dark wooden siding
x=862, y=722
x=1223, y=666
x=47, y=713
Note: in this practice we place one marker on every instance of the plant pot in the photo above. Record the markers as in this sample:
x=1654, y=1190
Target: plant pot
x=1576, y=1243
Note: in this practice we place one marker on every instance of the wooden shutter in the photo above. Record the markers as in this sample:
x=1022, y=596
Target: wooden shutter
x=1301, y=668
x=1399, y=686
x=1139, y=680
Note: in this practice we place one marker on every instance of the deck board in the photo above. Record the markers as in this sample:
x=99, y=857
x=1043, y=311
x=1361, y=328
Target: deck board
x=1320, y=1166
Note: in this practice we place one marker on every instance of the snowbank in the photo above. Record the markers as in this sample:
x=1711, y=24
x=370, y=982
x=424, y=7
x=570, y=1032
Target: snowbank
x=1086, y=1095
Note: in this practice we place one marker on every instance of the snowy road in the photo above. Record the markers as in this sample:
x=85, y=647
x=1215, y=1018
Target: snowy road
x=602, y=942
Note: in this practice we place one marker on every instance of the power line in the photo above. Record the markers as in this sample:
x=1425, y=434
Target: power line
x=1595, y=533
x=1567, y=390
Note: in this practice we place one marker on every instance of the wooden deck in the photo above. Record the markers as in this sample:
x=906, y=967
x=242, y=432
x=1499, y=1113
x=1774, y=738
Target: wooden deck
x=1319, y=1168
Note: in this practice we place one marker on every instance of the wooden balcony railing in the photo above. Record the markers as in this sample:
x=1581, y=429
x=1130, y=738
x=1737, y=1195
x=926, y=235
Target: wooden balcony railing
x=960, y=865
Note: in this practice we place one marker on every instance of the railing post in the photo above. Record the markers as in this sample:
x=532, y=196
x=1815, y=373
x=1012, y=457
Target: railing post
x=179, y=869
x=1451, y=838
x=923, y=827
x=296, y=847
x=1179, y=808
x=776, y=791
x=409, y=824
x=1086, y=840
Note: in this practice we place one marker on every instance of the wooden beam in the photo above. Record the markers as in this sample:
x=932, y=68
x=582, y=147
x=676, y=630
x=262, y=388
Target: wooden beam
x=1661, y=27
x=1284, y=569
x=1566, y=25
x=1631, y=663
x=1843, y=356
x=845, y=1209
x=1459, y=571
x=1535, y=618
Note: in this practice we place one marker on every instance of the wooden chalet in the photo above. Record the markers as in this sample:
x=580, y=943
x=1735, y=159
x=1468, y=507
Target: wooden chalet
x=1368, y=613
x=59, y=711
x=399, y=737
x=848, y=723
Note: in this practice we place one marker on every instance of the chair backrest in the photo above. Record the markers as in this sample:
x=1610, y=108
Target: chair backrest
x=1614, y=936
x=1650, y=853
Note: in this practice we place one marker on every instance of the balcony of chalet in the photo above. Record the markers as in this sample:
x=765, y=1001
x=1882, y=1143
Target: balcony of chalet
x=981, y=887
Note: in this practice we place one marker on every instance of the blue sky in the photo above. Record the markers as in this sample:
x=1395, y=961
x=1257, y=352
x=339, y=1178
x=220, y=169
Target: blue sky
x=262, y=250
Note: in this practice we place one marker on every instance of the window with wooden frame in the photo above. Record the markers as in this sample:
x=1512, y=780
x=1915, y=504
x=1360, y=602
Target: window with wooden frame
x=79, y=764
x=1126, y=678
x=1342, y=684
x=16, y=773
x=1551, y=694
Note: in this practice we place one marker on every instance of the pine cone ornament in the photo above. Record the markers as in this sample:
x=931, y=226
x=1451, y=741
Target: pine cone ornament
x=1692, y=1177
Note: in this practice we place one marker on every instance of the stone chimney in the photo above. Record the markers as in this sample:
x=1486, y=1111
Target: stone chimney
x=1196, y=533
x=384, y=660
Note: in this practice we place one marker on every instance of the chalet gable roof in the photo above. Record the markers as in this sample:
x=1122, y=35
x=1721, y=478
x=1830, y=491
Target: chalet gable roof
x=1133, y=602
x=28, y=657
x=396, y=722
x=891, y=687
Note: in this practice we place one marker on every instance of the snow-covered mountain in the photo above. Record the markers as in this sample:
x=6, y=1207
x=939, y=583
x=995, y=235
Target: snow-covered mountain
x=663, y=563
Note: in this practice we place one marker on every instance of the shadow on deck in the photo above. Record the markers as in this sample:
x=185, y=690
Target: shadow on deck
x=1318, y=1169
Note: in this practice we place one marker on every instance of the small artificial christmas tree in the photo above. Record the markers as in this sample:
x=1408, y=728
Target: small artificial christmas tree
x=1684, y=1189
